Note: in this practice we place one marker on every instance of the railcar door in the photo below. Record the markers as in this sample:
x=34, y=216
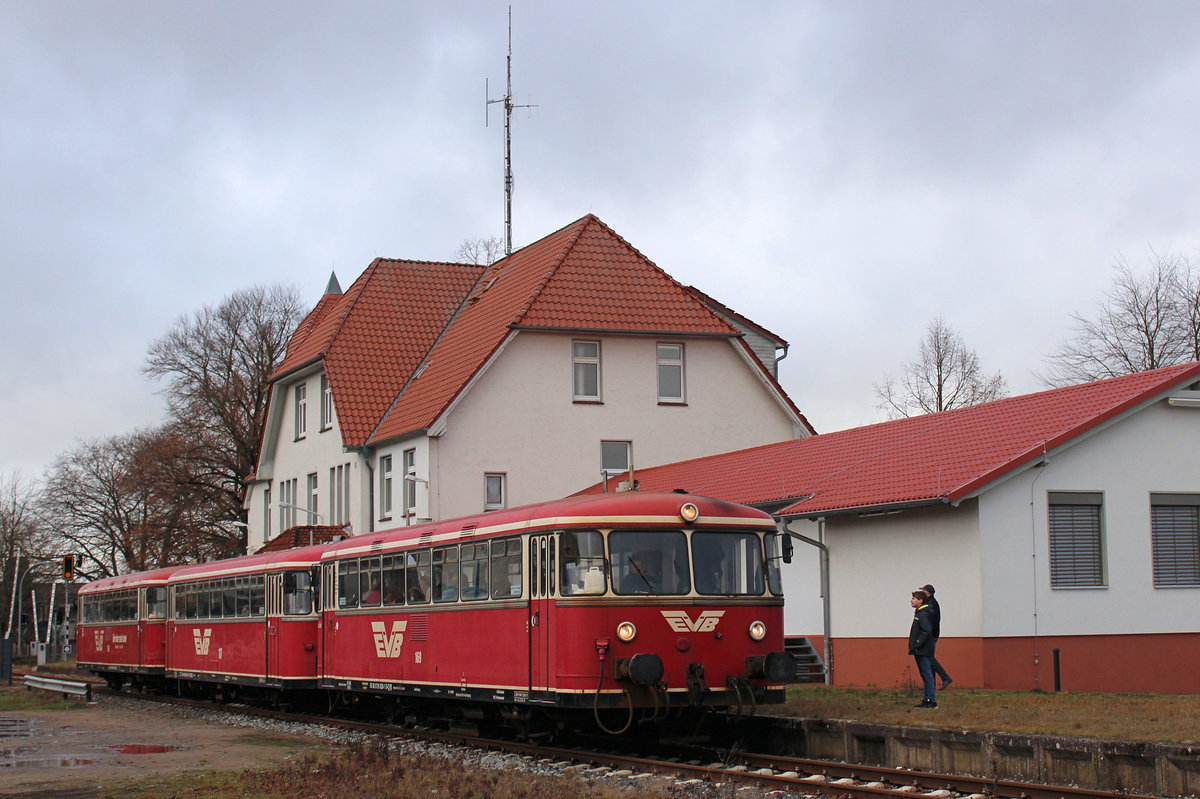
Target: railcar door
x=541, y=616
x=274, y=612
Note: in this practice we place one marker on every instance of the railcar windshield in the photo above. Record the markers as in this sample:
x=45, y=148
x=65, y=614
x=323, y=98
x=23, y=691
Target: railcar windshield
x=775, y=555
x=156, y=602
x=727, y=563
x=297, y=593
x=582, y=563
x=649, y=562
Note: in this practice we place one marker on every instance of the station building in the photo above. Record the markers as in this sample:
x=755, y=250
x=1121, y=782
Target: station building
x=434, y=390
x=1066, y=521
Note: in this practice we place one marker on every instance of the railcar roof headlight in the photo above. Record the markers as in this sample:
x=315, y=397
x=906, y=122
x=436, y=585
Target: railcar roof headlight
x=758, y=630
x=689, y=512
x=626, y=631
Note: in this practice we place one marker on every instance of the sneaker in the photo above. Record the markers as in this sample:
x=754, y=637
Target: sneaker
x=946, y=683
x=925, y=704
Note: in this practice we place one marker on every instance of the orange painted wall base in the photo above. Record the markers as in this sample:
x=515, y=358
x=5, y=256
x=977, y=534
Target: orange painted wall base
x=1152, y=663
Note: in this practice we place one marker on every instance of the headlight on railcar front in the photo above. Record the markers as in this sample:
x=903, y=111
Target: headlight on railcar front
x=689, y=512
x=757, y=630
x=626, y=632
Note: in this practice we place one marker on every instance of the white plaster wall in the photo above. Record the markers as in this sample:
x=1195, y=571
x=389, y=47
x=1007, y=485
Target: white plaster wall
x=1152, y=451
x=875, y=562
x=426, y=470
x=519, y=418
x=295, y=459
x=803, y=609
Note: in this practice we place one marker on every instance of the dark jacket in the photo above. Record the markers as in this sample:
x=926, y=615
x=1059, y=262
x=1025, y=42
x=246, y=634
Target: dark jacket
x=936, y=616
x=920, y=636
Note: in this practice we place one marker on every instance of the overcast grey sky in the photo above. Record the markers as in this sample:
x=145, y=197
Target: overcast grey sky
x=840, y=172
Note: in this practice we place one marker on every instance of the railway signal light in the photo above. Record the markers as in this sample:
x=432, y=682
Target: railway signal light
x=68, y=567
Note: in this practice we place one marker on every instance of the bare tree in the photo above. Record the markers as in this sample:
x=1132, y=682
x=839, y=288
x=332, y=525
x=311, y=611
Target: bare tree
x=945, y=375
x=216, y=364
x=1147, y=319
x=484, y=251
x=19, y=534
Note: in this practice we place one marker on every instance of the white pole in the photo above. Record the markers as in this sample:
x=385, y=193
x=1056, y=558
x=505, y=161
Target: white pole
x=50, y=610
x=12, y=602
x=33, y=604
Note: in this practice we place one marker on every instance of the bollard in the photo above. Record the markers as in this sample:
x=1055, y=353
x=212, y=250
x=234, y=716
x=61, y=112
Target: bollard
x=1057, y=672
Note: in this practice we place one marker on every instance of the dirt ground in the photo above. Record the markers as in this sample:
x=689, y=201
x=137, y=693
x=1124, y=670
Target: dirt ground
x=71, y=753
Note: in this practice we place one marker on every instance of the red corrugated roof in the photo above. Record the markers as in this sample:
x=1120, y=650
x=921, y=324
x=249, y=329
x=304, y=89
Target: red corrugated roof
x=374, y=336
x=941, y=457
x=583, y=277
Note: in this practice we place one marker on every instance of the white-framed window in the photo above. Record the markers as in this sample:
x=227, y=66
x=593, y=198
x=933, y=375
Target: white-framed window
x=1175, y=538
x=326, y=404
x=313, y=498
x=495, y=491
x=670, y=373
x=267, y=513
x=287, y=504
x=301, y=411
x=385, y=486
x=585, y=371
x=1076, y=539
x=339, y=494
x=409, y=462
x=615, y=457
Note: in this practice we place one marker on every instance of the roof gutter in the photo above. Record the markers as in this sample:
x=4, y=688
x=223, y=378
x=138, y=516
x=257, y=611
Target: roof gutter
x=867, y=510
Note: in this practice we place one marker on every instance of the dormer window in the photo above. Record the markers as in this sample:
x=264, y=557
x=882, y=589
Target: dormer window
x=301, y=411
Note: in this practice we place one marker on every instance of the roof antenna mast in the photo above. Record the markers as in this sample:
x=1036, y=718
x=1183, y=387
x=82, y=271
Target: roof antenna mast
x=507, y=99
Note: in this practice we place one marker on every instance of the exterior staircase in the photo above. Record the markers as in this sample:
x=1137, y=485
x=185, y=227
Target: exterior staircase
x=809, y=666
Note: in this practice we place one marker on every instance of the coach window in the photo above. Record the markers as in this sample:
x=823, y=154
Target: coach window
x=582, y=562
x=369, y=587
x=727, y=563
x=445, y=574
x=348, y=584
x=474, y=568
x=190, y=602
x=506, y=568
x=242, y=586
x=297, y=593
x=649, y=562
x=393, y=579
x=417, y=576
x=258, y=595
x=229, y=598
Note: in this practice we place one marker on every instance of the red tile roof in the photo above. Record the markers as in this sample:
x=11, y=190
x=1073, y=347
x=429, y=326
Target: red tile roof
x=941, y=457
x=374, y=336
x=302, y=536
x=582, y=277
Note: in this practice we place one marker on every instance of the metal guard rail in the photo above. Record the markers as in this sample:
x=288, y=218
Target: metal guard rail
x=65, y=687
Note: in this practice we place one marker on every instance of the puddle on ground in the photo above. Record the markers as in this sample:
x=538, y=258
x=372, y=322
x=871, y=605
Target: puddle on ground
x=141, y=749
x=48, y=762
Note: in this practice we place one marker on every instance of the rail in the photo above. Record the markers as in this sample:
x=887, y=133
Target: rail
x=65, y=687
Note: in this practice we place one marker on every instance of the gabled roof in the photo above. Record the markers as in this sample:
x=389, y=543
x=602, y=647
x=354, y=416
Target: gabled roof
x=583, y=277
x=939, y=458
x=374, y=336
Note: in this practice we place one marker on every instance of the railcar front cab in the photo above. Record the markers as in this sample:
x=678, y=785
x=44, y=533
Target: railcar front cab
x=638, y=568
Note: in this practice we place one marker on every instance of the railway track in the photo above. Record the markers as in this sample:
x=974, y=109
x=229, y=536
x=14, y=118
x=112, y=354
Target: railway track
x=770, y=773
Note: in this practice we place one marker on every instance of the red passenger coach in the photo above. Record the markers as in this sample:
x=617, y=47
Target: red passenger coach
x=628, y=606
x=122, y=628
x=245, y=622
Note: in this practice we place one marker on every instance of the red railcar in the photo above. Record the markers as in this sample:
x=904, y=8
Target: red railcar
x=626, y=606
x=635, y=603
x=122, y=629
x=245, y=622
